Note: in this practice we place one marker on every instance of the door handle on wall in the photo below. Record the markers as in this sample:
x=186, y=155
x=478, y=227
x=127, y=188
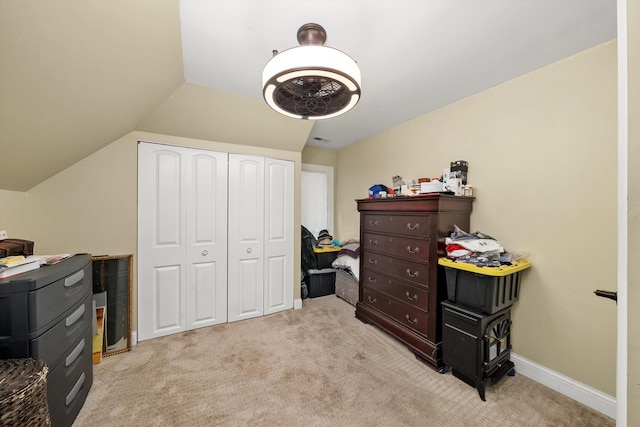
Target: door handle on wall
x=607, y=294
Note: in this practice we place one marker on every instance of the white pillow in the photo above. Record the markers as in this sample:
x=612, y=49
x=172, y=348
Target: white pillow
x=345, y=261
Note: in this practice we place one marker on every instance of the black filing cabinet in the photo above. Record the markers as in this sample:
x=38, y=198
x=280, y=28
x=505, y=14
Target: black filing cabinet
x=47, y=314
x=475, y=345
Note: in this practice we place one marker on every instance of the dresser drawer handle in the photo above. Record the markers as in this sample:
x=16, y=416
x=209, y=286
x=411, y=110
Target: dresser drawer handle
x=373, y=242
x=413, y=227
x=373, y=261
x=372, y=279
x=414, y=321
x=413, y=251
x=74, y=354
x=371, y=300
x=373, y=223
x=415, y=274
x=75, y=316
x=74, y=278
x=412, y=298
x=74, y=391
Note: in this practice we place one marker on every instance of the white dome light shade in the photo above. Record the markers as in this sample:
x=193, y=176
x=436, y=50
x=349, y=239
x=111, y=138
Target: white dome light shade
x=311, y=82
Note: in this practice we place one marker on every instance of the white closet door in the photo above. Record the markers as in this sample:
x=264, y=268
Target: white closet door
x=246, y=237
x=181, y=239
x=206, y=251
x=278, y=236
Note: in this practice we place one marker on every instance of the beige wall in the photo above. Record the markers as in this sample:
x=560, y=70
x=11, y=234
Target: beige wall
x=12, y=214
x=92, y=206
x=319, y=156
x=542, y=160
x=633, y=315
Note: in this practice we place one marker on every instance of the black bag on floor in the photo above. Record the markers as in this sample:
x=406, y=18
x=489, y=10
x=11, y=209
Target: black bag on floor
x=308, y=261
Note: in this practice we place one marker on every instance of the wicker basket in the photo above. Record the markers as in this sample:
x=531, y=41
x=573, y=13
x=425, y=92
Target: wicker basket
x=23, y=393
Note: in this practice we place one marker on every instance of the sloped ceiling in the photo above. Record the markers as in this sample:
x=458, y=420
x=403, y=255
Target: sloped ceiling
x=75, y=75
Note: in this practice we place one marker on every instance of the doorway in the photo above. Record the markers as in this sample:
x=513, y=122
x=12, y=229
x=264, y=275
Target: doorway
x=317, y=198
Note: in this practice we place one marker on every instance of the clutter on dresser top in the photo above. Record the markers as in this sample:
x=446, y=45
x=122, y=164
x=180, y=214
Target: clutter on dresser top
x=452, y=181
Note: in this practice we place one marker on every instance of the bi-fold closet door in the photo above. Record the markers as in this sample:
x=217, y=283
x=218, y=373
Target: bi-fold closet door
x=215, y=238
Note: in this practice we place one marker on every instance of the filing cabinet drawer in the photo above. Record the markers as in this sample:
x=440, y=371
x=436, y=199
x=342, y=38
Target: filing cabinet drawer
x=46, y=304
x=65, y=374
x=58, y=341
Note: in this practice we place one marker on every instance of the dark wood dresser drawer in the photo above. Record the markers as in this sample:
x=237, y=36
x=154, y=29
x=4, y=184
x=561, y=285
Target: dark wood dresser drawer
x=408, y=225
x=411, y=271
x=406, y=247
x=408, y=317
x=412, y=295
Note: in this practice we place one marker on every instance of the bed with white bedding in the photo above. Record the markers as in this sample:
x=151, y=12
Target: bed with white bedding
x=347, y=266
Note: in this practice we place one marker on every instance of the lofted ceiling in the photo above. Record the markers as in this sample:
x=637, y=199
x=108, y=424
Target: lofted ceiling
x=415, y=56
x=75, y=75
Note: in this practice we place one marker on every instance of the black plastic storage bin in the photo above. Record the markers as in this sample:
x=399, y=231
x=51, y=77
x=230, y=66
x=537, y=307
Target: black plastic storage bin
x=325, y=256
x=487, y=289
x=321, y=282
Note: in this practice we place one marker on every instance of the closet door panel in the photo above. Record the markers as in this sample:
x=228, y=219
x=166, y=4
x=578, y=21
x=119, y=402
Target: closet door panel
x=279, y=228
x=161, y=238
x=277, y=297
x=245, y=285
x=249, y=304
x=202, y=296
x=167, y=315
x=206, y=256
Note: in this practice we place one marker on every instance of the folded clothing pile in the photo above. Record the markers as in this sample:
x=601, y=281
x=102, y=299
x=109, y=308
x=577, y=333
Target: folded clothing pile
x=476, y=248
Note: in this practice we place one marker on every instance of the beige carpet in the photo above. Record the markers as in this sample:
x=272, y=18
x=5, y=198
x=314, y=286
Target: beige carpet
x=318, y=366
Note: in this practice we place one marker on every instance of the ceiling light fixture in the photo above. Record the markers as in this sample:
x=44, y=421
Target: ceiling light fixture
x=311, y=81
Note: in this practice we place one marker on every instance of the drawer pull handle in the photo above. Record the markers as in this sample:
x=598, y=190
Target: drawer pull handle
x=75, y=316
x=373, y=223
x=74, y=354
x=373, y=261
x=413, y=227
x=414, y=321
x=413, y=251
x=412, y=298
x=412, y=274
x=74, y=278
x=373, y=242
x=372, y=279
x=74, y=391
x=371, y=300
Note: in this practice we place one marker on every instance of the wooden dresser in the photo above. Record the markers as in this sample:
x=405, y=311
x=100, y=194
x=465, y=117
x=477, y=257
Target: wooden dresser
x=401, y=284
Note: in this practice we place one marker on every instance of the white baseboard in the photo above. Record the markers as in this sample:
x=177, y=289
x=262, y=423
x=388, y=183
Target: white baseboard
x=577, y=391
x=134, y=338
x=297, y=304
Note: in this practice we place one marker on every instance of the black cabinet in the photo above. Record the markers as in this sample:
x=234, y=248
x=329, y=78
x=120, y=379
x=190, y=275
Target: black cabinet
x=47, y=314
x=476, y=346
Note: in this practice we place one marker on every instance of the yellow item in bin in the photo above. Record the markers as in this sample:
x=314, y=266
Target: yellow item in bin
x=320, y=250
x=503, y=270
